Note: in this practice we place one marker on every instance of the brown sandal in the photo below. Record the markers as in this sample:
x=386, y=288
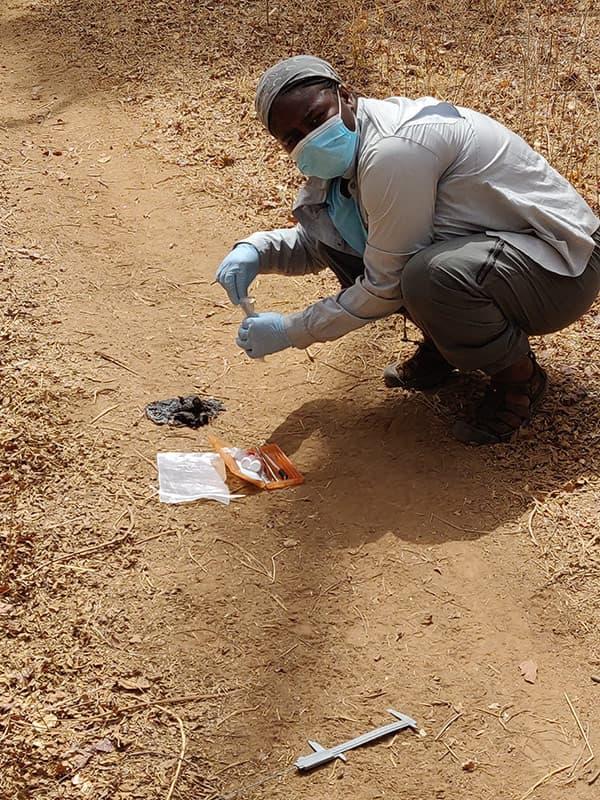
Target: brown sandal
x=426, y=369
x=498, y=416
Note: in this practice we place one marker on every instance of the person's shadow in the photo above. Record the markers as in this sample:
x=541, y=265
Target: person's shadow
x=388, y=463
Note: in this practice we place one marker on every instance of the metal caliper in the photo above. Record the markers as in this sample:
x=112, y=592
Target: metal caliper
x=322, y=755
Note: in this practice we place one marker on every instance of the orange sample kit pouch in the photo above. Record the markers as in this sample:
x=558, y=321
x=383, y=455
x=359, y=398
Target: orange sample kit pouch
x=267, y=466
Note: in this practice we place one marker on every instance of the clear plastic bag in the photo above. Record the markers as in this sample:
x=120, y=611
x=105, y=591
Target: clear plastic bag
x=265, y=466
x=184, y=477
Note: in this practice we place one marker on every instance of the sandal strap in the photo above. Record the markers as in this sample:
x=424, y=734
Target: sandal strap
x=499, y=414
x=530, y=388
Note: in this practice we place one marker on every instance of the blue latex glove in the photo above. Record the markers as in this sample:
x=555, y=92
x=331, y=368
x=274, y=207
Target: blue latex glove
x=238, y=270
x=262, y=335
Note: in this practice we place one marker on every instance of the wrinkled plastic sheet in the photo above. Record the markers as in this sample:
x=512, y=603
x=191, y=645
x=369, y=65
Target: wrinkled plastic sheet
x=184, y=477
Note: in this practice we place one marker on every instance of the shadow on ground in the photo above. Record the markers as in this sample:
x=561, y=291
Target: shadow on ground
x=378, y=463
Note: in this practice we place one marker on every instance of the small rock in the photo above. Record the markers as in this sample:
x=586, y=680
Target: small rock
x=529, y=671
x=469, y=766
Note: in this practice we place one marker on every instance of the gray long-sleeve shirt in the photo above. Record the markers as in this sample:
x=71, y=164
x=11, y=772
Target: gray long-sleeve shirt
x=423, y=175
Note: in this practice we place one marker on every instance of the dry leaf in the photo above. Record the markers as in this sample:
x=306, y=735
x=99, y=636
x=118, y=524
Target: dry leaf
x=46, y=722
x=61, y=769
x=5, y=608
x=103, y=746
x=81, y=760
x=529, y=671
x=135, y=684
x=6, y=703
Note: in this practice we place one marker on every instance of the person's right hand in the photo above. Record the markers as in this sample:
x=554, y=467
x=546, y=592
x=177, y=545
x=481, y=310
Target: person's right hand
x=238, y=270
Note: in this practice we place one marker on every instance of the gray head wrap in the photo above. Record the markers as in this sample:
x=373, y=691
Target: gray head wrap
x=284, y=75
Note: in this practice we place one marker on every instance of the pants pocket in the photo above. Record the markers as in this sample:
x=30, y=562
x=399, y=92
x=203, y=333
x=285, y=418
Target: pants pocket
x=490, y=262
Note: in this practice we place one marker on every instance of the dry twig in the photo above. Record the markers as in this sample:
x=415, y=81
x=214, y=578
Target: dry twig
x=582, y=731
x=235, y=714
x=445, y=727
x=103, y=413
x=460, y=528
x=92, y=548
x=259, y=568
x=532, y=514
x=113, y=360
x=543, y=780
x=181, y=752
x=165, y=701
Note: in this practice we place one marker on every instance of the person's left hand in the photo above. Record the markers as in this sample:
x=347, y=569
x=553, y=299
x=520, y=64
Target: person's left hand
x=263, y=334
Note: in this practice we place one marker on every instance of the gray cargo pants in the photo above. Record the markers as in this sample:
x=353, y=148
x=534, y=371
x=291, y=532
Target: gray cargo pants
x=479, y=299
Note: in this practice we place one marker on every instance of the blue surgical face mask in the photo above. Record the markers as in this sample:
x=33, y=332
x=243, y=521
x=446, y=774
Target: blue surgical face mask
x=328, y=151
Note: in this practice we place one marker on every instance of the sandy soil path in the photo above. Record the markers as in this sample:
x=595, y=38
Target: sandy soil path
x=402, y=574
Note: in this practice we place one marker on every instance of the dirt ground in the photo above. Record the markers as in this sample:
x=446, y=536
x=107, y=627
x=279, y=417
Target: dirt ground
x=151, y=651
